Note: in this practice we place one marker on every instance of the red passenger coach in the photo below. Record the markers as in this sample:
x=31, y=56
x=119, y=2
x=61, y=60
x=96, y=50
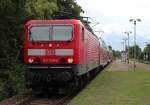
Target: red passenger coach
x=59, y=52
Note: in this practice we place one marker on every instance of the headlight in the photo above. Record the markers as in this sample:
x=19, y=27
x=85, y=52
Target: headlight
x=30, y=60
x=70, y=60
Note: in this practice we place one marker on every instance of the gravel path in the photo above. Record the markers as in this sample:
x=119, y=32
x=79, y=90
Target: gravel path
x=117, y=65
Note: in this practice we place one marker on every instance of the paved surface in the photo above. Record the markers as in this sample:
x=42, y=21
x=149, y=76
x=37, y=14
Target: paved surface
x=117, y=65
x=143, y=66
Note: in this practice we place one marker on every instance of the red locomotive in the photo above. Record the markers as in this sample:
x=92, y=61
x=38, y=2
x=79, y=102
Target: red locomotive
x=61, y=52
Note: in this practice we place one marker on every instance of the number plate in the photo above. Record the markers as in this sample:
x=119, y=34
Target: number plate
x=50, y=52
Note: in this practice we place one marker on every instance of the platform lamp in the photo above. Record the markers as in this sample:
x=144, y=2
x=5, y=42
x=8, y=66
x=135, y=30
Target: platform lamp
x=146, y=53
x=128, y=33
x=122, y=46
x=135, y=21
x=125, y=48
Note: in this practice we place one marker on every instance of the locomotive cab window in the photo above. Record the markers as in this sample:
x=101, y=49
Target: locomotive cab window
x=51, y=33
x=64, y=33
x=39, y=33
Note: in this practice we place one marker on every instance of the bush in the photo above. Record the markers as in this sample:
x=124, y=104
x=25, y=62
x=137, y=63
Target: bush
x=3, y=94
x=12, y=80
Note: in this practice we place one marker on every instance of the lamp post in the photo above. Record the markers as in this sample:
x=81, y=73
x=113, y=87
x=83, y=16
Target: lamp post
x=125, y=48
x=128, y=33
x=125, y=42
x=134, y=21
x=122, y=46
x=146, y=53
x=123, y=54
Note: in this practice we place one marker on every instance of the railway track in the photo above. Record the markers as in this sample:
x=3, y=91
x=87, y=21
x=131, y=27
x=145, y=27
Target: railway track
x=29, y=99
x=50, y=100
x=17, y=100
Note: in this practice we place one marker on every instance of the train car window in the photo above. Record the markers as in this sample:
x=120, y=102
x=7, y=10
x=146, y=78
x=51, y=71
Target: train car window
x=82, y=34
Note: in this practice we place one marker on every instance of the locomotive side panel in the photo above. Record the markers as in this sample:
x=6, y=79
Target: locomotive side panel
x=81, y=66
x=92, y=51
x=104, y=57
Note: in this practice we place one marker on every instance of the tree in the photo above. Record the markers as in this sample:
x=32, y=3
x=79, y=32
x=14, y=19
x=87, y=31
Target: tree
x=68, y=9
x=41, y=9
x=131, y=52
x=147, y=52
x=138, y=52
x=13, y=17
x=110, y=47
x=116, y=54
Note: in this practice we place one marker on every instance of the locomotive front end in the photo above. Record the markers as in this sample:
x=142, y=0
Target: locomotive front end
x=49, y=53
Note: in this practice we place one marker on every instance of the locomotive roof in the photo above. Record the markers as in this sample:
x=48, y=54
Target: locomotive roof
x=66, y=21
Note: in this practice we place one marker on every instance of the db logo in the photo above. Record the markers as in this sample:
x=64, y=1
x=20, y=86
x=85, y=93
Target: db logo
x=50, y=52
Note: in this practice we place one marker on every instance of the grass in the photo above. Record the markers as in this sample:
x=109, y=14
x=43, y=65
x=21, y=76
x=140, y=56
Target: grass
x=117, y=88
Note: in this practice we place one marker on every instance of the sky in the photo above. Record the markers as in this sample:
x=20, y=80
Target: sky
x=113, y=17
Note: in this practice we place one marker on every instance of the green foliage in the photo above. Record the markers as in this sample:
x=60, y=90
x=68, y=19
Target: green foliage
x=138, y=52
x=2, y=90
x=116, y=54
x=68, y=9
x=41, y=9
x=11, y=80
x=142, y=56
x=109, y=47
x=147, y=52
